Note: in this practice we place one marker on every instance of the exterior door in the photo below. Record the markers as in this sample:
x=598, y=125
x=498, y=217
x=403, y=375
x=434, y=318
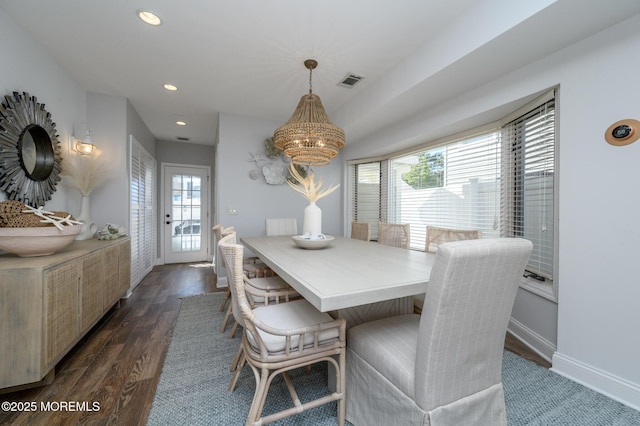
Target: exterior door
x=185, y=218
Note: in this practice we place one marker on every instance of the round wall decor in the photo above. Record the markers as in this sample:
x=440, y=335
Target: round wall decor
x=30, y=154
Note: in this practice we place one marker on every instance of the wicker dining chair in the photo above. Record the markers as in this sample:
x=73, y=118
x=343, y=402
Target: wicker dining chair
x=394, y=234
x=281, y=226
x=282, y=337
x=263, y=279
x=361, y=231
x=437, y=236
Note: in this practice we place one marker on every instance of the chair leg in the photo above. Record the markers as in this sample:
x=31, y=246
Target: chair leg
x=233, y=330
x=341, y=384
x=236, y=367
x=259, y=396
x=236, y=359
x=227, y=298
x=226, y=319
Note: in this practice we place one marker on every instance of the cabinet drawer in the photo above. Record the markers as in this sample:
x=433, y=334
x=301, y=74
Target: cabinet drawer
x=62, y=325
x=91, y=288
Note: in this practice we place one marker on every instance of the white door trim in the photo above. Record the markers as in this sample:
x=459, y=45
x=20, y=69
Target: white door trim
x=205, y=221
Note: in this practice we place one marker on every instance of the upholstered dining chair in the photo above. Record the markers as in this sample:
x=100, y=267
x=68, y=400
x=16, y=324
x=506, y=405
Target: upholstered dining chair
x=442, y=367
x=394, y=234
x=436, y=236
x=281, y=337
x=281, y=226
x=361, y=231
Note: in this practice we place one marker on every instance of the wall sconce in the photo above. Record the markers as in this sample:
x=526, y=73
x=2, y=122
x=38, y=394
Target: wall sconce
x=83, y=147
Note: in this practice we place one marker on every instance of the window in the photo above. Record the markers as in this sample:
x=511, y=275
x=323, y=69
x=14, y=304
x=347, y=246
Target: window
x=528, y=197
x=499, y=181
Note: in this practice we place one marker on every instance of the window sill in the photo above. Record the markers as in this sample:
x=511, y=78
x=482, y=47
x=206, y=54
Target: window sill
x=543, y=289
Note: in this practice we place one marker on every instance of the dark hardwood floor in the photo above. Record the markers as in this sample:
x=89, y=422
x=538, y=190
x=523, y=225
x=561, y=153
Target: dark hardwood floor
x=118, y=364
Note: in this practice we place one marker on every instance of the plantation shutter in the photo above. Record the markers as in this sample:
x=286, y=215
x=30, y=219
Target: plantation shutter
x=142, y=217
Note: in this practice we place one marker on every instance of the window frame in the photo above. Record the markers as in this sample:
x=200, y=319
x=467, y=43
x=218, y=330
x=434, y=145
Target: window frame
x=547, y=289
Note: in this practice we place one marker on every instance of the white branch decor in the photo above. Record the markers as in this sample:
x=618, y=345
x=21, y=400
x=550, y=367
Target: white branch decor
x=85, y=173
x=307, y=186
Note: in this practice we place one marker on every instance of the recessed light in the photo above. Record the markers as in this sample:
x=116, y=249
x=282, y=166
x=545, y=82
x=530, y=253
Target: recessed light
x=149, y=17
x=181, y=123
x=170, y=87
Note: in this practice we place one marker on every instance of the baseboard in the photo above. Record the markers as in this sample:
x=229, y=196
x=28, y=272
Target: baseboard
x=600, y=381
x=222, y=282
x=532, y=340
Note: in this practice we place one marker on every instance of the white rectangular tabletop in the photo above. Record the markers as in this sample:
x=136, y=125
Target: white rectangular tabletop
x=348, y=273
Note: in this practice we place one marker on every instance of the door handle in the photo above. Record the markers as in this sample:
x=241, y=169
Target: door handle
x=168, y=222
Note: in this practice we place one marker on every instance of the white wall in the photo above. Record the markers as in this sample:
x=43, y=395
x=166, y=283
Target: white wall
x=255, y=200
x=26, y=67
x=110, y=119
x=599, y=290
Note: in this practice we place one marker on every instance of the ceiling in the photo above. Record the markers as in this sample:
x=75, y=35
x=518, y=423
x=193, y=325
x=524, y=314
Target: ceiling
x=246, y=56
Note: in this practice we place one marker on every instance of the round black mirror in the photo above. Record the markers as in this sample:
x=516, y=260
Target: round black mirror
x=36, y=152
x=30, y=158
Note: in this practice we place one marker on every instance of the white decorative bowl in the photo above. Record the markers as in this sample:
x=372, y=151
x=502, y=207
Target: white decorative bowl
x=38, y=241
x=315, y=244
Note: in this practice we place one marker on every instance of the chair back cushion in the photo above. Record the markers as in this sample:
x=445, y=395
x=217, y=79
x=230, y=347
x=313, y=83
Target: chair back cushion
x=437, y=236
x=361, y=231
x=232, y=254
x=467, y=307
x=394, y=234
x=281, y=226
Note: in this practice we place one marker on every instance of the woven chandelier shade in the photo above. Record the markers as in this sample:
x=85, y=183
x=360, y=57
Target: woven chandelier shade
x=309, y=138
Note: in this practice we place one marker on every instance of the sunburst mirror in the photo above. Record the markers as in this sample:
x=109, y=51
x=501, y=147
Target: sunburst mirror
x=30, y=154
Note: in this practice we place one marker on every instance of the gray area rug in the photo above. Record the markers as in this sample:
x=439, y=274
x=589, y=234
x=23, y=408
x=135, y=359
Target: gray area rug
x=194, y=380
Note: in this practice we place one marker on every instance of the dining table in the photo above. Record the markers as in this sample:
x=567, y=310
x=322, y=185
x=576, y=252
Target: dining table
x=349, y=278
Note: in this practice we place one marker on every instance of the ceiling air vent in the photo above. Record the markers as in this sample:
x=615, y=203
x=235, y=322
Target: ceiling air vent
x=350, y=80
x=182, y=138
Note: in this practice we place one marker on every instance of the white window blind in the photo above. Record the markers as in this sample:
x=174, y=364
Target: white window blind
x=143, y=223
x=498, y=181
x=452, y=186
x=529, y=170
x=367, y=190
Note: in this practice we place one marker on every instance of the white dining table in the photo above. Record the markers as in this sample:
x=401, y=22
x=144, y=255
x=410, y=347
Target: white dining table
x=349, y=273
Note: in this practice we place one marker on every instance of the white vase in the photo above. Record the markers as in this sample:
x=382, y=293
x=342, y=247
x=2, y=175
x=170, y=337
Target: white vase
x=312, y=221
x=88, y=227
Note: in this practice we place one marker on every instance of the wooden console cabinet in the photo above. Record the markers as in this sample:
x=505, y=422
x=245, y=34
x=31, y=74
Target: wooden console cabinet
x=48, y=303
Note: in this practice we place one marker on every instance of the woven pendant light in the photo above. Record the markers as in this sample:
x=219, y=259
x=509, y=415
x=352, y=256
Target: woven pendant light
x=309, y=138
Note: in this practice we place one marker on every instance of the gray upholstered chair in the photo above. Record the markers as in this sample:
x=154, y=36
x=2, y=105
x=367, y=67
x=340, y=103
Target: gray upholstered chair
x=360, y=231
x=442, y=367
x=281, y=226
x=281, y=337
x=394, y=234
x=437, y=236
